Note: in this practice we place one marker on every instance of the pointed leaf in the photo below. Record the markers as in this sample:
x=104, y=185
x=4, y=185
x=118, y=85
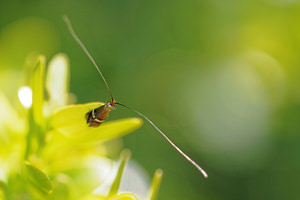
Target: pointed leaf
x=125, y=155
x=71, y=122
x=38, y=178
x=155, y=184
x=37, y=83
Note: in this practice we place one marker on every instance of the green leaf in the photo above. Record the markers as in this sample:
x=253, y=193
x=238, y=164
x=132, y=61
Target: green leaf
x=71, y=122
x=125, y=155
x=38, y=178
x=155, y=184
x=61, y=188
x=3, y=190
x=37, y=84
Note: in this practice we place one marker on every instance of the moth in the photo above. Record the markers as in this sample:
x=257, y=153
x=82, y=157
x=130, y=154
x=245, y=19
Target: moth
x=97, y=116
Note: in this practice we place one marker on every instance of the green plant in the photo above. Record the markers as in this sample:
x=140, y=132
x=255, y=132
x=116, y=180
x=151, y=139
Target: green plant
x=46, y=149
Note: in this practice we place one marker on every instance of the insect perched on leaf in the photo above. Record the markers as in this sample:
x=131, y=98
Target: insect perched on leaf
x=97, y=116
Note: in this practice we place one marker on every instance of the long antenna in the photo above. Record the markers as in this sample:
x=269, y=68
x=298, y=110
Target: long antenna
x=71, y=30
x=68, y=23
x=177, y=148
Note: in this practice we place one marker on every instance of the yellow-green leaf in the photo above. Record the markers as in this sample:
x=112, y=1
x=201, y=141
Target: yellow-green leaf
x=71, y=122
x=61, y=188
x=125, y=155
x=37, y=82
x=38, y=178
x=155, y=184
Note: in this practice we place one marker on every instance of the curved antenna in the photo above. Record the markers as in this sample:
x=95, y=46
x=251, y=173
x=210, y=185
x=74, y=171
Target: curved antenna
x=71, y=30
x=177, y=148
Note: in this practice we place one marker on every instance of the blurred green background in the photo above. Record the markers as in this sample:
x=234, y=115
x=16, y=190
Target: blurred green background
x=221, y=78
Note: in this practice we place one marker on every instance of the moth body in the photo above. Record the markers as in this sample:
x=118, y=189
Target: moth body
x=98, y=115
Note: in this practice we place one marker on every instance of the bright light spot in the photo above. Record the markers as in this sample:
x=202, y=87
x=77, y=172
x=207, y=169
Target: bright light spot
x=25, y=96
